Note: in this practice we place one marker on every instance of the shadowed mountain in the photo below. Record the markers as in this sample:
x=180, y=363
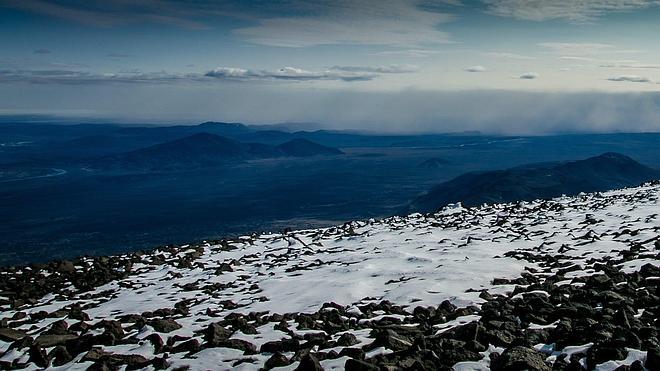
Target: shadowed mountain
x=206, y=150
x=538, y=181
x=434, y=163
x=306, y=148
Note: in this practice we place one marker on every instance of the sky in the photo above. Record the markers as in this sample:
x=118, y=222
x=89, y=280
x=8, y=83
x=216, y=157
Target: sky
x=510, y=66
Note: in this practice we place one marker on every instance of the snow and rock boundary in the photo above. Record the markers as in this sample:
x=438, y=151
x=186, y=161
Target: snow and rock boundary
x=451, y=289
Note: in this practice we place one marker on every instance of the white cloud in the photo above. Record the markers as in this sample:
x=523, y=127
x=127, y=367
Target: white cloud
x=398, y=23
x=415, y=53
x=572, y=49
x=576, y=11
x=574, y=58
x=630, y=78
x=342, y=73
x=395, y=68
x=285, y=73
x=476, y=69
x=628, y=65
x=77, y=77
x=529, y=76
x=507, y=55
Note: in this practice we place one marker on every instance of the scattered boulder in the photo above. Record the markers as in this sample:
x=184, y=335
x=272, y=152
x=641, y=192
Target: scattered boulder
x=189, y=346
x=358, y=365
x=164, y=325
x=47, y=341
x=284, y=345
x=38, y=356
x=653, y=359
x=239, y=344
x=309, y=363
x=277, y=360
x=9, y=334
x=347, y=339
x=215, y=334
x=60, y=356
x=519, y=359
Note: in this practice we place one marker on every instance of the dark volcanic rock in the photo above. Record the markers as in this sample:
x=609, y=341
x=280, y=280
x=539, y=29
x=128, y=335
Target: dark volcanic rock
x=309, y=363
x=164, y=325
x=215, y=333
x=357, y=365
x=392, y=340
x=277, y=360
x=38, y=356
x=239, y=344
x=600, y=353
x=47, y=341
x=60, y=356
x=10, y=334
x=519, y=359
x=347, y=339
x=653, y=359
x=190, y=346
x=284, y=345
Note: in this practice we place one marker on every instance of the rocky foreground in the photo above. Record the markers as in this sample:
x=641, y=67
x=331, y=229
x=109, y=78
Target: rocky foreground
x=568, y=284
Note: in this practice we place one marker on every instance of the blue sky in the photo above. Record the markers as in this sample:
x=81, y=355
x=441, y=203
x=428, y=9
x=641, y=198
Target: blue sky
x=271, y=61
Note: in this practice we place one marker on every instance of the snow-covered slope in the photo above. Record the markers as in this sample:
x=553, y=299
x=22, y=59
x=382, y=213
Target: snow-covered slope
x=215, y=305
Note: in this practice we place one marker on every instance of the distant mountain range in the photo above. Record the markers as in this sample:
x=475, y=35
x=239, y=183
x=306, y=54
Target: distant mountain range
x=537, y=181
x=204, y=150
x=74, y=142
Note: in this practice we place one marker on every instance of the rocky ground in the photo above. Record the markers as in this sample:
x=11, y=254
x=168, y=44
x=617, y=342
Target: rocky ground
x=568, y=284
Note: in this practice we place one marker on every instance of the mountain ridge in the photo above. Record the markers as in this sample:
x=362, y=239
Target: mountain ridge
x=537, y=181
x=207, y=150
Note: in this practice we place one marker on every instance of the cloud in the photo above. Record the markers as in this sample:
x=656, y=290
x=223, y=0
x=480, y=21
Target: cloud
x=575, y=11
x=476, y=69
x=529, y=76
x=289, y=74
x=573, y=49
x=395, y=68
x=63, y=75
x=414, y=53
x=342, y=73
x=400, y=23
x=631, y=65
x=114, y=12
x=579, y=59
x=507, y=55
x=418, y=111
x=289, y=23
x=42, y=51
x=630, y=78
x=111, y=13
x=76, y=77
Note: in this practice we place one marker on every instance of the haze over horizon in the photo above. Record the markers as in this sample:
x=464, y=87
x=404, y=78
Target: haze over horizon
x=497, y=66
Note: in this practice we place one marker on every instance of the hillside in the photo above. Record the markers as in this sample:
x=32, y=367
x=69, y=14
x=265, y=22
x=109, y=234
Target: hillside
x=532, y=285
x=538, y=181
x=306, y=148
x=205, y=150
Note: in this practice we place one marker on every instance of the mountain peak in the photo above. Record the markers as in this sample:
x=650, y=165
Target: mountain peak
x=538, y=181
x=613, y=156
